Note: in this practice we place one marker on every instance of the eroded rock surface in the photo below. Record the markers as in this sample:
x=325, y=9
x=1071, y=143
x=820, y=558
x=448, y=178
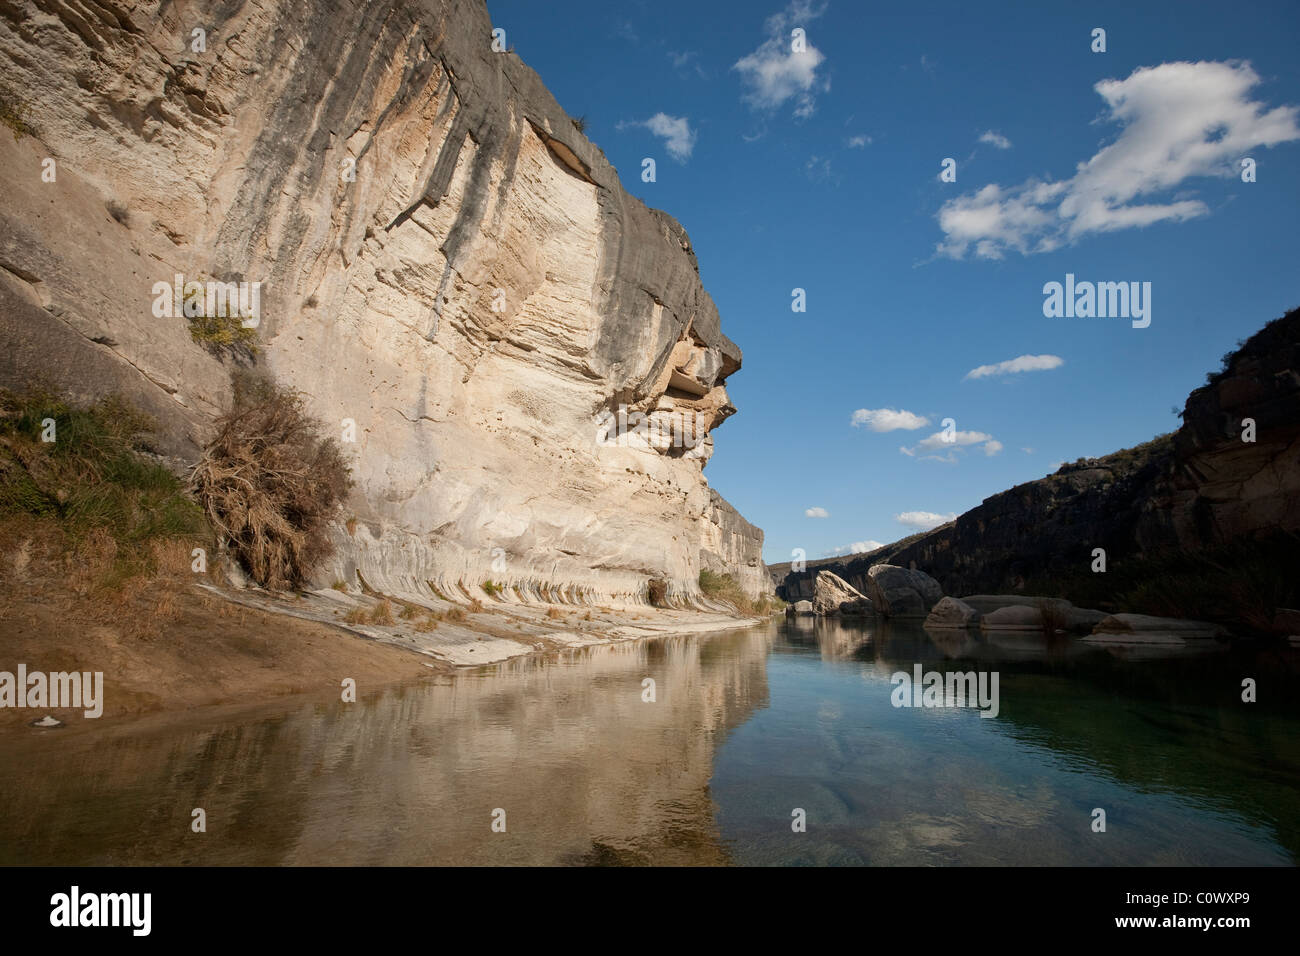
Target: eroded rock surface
x=524, y=352
x=902, y=592
x=834, y=596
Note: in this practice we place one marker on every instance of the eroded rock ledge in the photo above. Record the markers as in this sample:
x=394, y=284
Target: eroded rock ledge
x=477, y=298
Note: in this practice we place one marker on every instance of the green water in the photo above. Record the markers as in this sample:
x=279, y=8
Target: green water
x=746, y=728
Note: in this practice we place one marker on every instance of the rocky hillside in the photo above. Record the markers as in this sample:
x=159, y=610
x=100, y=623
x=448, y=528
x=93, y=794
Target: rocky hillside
x=518, y=356
x=1200, y=490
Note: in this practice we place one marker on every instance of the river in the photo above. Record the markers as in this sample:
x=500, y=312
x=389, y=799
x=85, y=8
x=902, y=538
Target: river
x=567, y=760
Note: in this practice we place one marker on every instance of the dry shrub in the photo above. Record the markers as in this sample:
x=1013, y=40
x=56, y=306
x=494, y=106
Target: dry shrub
x=476, y=606
x=269, y=483
x=426, y=624
x=383, y=613
x=357, y=615
x=1053, y=613
x=554, y=612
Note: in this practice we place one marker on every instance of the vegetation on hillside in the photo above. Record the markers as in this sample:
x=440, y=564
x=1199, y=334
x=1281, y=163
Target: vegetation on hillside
x=724, y=588
x=1242, y=583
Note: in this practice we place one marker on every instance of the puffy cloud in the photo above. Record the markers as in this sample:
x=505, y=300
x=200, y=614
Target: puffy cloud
x=1024, y=363
x=816, y=513
x=959, y=440
x=860, y=141
x=923, y=519
x=774, y=73
x=675, y=131
x=994, y=138
x=857, y=547
x=1178, y=121
x=888, y=419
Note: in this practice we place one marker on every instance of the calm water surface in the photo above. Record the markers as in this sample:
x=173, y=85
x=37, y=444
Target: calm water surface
x=746, y=727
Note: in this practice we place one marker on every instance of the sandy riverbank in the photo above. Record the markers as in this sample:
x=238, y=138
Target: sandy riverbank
x=210, y=646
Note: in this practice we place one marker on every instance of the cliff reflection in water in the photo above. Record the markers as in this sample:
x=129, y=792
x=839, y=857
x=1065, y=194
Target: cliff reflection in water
x=747, y=728
x=586, y=771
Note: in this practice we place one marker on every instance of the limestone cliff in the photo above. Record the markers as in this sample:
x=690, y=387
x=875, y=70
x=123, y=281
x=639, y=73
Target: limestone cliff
x=528, y=359
x=1200, y=488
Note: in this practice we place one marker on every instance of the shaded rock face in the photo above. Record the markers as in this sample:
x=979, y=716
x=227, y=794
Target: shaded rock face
x=834, y=596
x=1013, y=617
x=901, y=592
x=951, y=612
x=1145, y=629
x=1201, y=486
x=529, y=361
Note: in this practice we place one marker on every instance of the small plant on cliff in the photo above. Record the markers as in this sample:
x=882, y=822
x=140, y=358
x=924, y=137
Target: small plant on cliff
x=492, y=588
x=15, y=114
x=580, y=123
x=220, y=330
x=269, y=483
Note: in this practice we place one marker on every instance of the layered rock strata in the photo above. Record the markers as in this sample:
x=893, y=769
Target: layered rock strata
x=519, y=357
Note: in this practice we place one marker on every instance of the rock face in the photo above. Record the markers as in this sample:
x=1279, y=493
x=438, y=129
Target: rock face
x=952, y=612
x=1145, y=629
x=901, y=592
x=834, y=596
x=1014, y=617
x=449, y=270
x=1199, y=487
x=800, y=609
x=1079, y=620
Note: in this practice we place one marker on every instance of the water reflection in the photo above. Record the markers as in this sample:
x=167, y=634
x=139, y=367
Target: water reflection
x=745, y=728
x=585, y=770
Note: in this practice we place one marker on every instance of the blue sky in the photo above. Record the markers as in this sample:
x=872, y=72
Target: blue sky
x=820, y=170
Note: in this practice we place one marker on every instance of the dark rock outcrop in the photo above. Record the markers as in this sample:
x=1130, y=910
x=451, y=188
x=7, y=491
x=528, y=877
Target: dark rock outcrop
x=1197, y=488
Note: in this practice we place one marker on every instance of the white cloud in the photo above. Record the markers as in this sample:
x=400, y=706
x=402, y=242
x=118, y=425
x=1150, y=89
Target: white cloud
x=923, y=519
x=958, y=440
x=1178, y=121
x=1024, y=363
x=816, y=513
x=679, y=138
x=687, y=59
x=859, y=142
x=888, y=419
x=994, y=138
x=857, y=547
x=1027, y=451
x=774, y=73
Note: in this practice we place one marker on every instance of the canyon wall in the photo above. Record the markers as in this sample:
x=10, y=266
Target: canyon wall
x=450, y=272
x=1200, y=487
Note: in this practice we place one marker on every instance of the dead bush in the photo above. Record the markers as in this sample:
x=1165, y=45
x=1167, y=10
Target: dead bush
x=269, y=483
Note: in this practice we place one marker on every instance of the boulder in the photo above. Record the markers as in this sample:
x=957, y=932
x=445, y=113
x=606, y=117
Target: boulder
x=833, y=595
x=1014, y=617
x=952, y=613
x=902, y=592
x=1077, y=620
x=1286, y=621
x=800, y=609
x=1145, y=629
